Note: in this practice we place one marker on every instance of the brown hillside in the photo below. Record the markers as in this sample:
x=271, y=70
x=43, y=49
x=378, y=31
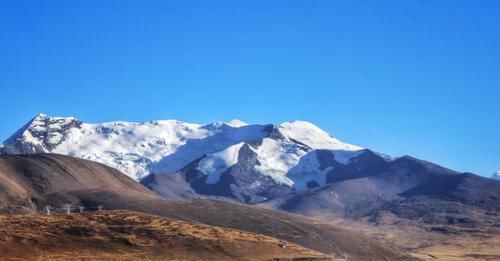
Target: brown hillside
x=125, y=235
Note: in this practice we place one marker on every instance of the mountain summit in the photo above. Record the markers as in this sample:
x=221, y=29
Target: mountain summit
x=277, y=152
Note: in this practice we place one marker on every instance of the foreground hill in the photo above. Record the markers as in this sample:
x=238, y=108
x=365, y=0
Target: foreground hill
x=34, y=181
x=124, y=235
x=29, y=183
x=310, y=233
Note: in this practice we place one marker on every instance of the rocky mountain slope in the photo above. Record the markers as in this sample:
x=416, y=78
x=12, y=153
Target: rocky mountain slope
x=406, y=188
x=370, y=189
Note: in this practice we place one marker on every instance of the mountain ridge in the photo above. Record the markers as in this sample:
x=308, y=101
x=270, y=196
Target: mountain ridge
x=142, y=148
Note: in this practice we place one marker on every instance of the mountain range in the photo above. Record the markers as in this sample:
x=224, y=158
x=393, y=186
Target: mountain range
x=139, y=149
x=282, y=166
x=30, y=183
x=294, y=167
x=289, y=156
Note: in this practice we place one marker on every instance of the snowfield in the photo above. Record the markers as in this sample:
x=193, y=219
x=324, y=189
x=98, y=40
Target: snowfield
x=285, y=152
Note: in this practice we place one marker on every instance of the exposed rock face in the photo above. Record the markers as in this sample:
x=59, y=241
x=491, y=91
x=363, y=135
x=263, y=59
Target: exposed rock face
x=42, y=134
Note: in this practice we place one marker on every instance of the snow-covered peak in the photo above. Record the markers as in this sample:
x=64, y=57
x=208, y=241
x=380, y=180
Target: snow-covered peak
x=496, y=175
x=236, y=123
x=312, y=136
x=40, y=134
x=166, y=146
x=135, y=148
x=43, y=118
x=40, y=116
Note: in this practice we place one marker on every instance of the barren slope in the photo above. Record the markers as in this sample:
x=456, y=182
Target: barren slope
x=125, y=235
x=28, y=183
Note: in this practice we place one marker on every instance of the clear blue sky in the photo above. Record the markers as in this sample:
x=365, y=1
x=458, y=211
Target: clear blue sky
x=418, y=77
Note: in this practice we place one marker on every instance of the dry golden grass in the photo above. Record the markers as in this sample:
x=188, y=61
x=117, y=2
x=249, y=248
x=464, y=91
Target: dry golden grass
x=125, y=235
x=460, y=249
x=462, y=245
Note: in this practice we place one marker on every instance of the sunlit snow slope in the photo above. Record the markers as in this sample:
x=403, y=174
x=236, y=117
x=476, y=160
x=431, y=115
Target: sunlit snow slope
x=282, y=152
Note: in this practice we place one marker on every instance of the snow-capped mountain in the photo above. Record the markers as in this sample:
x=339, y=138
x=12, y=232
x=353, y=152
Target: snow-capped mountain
x=496, y=175
x=294, y=167
x=291, y=154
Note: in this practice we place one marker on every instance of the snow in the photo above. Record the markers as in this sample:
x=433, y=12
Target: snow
x=496, y=175
x=312, y=136
x=166, y=146
x=219, y=137
x=308, y=169
x=289, y=163
x=277, y=158
x=130, y=147
x=135, y=148
x=215, y=164
x=293, y=165
x=345, y=157
x=237, y=123
x=55, y=138
x=36, y=143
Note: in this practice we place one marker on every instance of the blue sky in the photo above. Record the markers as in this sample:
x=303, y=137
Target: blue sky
x=401, y=77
